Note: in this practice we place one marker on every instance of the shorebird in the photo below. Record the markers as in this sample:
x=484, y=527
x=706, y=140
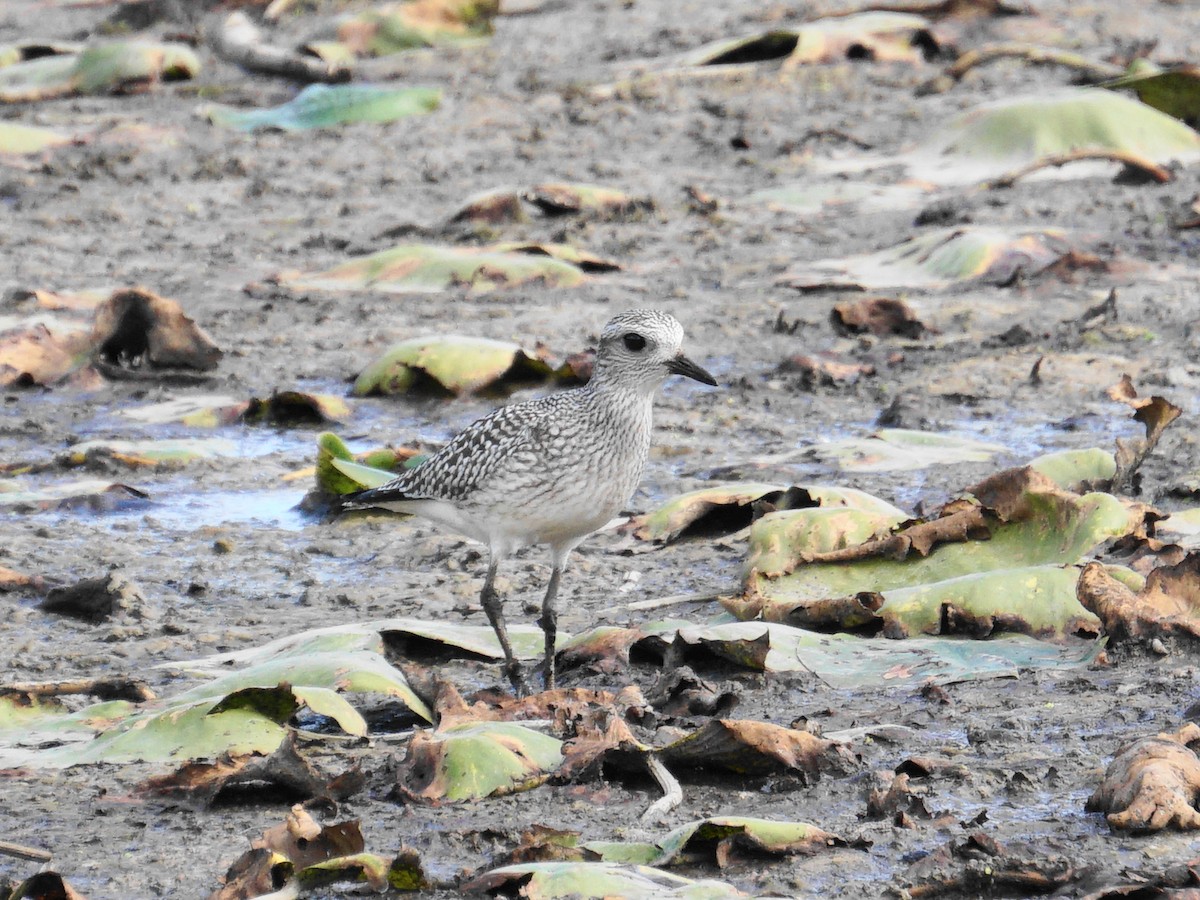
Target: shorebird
x=550, y=470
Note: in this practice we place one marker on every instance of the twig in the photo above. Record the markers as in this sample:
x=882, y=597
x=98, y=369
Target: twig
x=240, y=41
x=672, y=792
x=1160, y=174
x=1030, y=53
x=20, y=851
x=107, y=688
x=672, y=600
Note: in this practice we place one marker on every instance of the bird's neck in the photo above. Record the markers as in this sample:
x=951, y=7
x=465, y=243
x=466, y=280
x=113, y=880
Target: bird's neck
x=621, y=390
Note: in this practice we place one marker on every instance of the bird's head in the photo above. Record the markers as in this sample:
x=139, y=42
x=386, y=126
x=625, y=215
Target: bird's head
x=640, y=347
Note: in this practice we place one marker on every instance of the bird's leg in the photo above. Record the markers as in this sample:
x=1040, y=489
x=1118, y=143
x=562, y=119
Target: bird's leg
x=495, y=613
x=549, y=623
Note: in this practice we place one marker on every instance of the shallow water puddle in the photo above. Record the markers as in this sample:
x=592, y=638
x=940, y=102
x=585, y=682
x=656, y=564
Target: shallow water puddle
x=264, y=507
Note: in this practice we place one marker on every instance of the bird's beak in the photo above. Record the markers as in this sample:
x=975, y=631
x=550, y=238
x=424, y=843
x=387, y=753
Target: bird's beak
x=681, y=365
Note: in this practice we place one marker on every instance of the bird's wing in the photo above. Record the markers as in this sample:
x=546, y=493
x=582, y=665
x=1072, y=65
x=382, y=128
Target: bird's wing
x=476, y=455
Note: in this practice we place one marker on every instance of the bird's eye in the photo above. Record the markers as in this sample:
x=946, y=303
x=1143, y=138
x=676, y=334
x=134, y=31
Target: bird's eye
x=634, y=341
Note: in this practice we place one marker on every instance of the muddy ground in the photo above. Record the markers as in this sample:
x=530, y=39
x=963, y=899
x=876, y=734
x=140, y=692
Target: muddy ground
x=226, y=564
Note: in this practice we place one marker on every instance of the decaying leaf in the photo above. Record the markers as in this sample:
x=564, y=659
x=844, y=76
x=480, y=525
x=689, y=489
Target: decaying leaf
x=758, y=748
x=45, y=886
x=93, y=599
x=450, y=365
x=491, y=208
x=286, y=408
x=164, y=453
x=422, y=268
x=1072, y=470
x=594, y=881
x=1153, y=784
x=782, y=540
x=1155, y=413
x=715, y=510
x=997, y=140
x=879, y=316
x=882, y=36
x=121, y=66
x=41, y=355
x=587, y=262
x=982, y=563
x=295, y=408
x=476, y=760
x=1174, y=91
x=304, y=842
x=256, y=873
x=395, y=27
x=1036, y=600
x=12, y=580
x=90, y=494
x=1167, y=606
x=561, y=199
x=721, y=840
x=981, y=864
x=825, y=368
x=939, y=259
x=328, y=106
x=135, y=326
x=244, y=710
x=296, y=848
x=285, y=769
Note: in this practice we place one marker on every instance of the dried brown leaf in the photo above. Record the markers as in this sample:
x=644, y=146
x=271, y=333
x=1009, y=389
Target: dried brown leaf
x=758, y=748
x=1168, y=605
x=879, y=316
x=37, y=355
x=137, y=326
x=302, y=840
x=1153, y=784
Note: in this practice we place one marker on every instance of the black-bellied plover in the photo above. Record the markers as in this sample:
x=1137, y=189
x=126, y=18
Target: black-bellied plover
x=550, y=470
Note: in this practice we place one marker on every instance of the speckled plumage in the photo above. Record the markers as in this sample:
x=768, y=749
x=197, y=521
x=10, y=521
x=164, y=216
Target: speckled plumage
x=551, y=470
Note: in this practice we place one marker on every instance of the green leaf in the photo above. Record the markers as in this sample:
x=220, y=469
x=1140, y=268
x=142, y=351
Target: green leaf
x=1036, y=600
x=1174, y=91
x=187, y=731
x=1070, y=469
x=779, y=539
x=453, y=363
x=1004, y=135
x=584, y=881
x=356, y=867
x=358, y=476
x=396, y=27
x=704, y=835
x=850, y=661
x=476, y=760
x=327, y=106
x=675, y=516
x=98, y=69
x=356, y=671
x=1059, y=531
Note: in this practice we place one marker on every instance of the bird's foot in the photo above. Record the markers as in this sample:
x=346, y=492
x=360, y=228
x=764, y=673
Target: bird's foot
x=513, y=670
